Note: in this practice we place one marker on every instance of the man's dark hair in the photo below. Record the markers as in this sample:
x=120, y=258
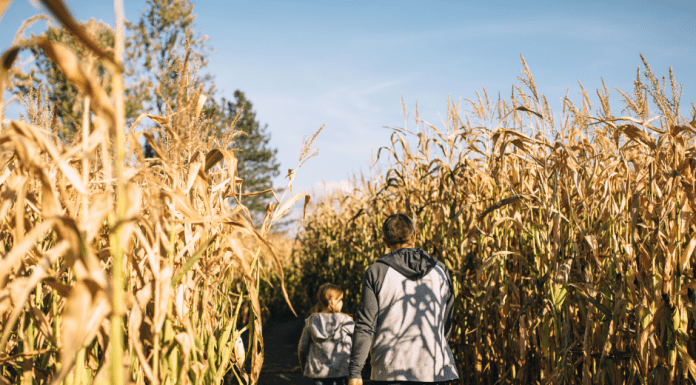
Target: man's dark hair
x=397, y=229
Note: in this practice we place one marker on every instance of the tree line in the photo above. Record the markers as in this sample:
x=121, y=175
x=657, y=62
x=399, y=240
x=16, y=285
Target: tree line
x=157, y=44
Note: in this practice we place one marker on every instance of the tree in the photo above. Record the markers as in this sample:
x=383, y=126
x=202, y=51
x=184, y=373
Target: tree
x=161, y=37
x=257, y=163
x=163, y=34
x=61, y=94
x=157, y=43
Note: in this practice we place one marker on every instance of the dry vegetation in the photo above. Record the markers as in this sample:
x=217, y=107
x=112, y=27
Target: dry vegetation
x=116, y=268
x=570, y=243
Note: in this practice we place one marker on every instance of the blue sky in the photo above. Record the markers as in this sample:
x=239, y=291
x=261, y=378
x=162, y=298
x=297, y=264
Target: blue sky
x=346, y=64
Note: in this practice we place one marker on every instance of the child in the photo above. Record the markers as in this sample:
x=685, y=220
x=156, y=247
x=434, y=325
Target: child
x=326, y=340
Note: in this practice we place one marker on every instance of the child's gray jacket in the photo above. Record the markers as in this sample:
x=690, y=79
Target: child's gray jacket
x=325, y=345
x=404, y=319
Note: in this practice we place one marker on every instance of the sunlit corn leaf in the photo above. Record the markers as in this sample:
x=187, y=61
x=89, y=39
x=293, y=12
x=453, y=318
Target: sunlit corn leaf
x=74, y=71
x=283, y=208
x=165, y=288
x=85, y=309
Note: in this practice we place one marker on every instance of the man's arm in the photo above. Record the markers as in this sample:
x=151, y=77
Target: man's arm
x=449, y=304
x=365, y=321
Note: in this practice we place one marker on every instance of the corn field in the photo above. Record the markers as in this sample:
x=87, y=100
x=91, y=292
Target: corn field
x=570, y=242
x=120, y=269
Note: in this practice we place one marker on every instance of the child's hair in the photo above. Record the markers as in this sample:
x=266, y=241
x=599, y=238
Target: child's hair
x=328, y=296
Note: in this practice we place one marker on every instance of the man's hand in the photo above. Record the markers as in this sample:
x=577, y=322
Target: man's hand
x=355, y=381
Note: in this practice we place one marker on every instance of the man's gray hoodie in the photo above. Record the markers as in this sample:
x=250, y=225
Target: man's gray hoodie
x=325, y=345
x=404, y=319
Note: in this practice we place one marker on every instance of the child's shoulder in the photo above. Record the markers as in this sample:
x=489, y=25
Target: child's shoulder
x=346, y=319
x=310, y=317
x=348, y=316
x=342, y=317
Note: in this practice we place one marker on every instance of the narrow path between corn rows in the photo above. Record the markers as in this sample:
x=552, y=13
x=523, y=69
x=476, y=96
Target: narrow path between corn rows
x=281, y=365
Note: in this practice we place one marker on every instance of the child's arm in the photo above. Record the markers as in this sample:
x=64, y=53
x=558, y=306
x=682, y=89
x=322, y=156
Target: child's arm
x=303, y=346
x=349, y=327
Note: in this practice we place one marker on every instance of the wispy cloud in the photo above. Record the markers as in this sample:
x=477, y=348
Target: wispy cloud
x=324, y=188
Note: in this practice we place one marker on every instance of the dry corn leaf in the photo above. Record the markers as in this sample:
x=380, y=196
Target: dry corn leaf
x=151, y=141
x=634, y=133
x=85, y=309
x=193, y=173
x=6, y=62
x=165, y=288
x=186, y=343
x=282, y=209
x=218, y=154
x=43, y=324
x=181, y=306
x=20, y=292
x=4, y=4
x=199, y=105
x=5, y=299
x=239, y=351
x=78, y=76
x=35, y=135
x=135, y=318
x=21, y=249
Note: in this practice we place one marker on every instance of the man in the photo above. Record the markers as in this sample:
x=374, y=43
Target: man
x=405, y=314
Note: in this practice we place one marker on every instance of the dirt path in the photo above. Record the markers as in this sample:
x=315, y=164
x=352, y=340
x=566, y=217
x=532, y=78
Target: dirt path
x=281, y=365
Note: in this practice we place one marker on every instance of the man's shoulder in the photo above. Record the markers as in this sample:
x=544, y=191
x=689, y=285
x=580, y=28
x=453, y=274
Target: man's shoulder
x=442, y=265
x=446, y=275
x=377, y=267
x=376, y=272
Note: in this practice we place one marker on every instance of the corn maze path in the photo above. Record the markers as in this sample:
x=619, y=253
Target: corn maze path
x=281, y=365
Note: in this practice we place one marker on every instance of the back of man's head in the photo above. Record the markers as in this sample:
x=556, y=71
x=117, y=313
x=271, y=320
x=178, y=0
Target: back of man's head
x=397, y=229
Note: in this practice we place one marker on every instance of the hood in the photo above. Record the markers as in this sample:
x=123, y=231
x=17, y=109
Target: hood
x=325, y=326
x=411, y=263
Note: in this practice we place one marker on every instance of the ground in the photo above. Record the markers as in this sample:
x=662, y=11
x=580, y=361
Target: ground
x=281, y=365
